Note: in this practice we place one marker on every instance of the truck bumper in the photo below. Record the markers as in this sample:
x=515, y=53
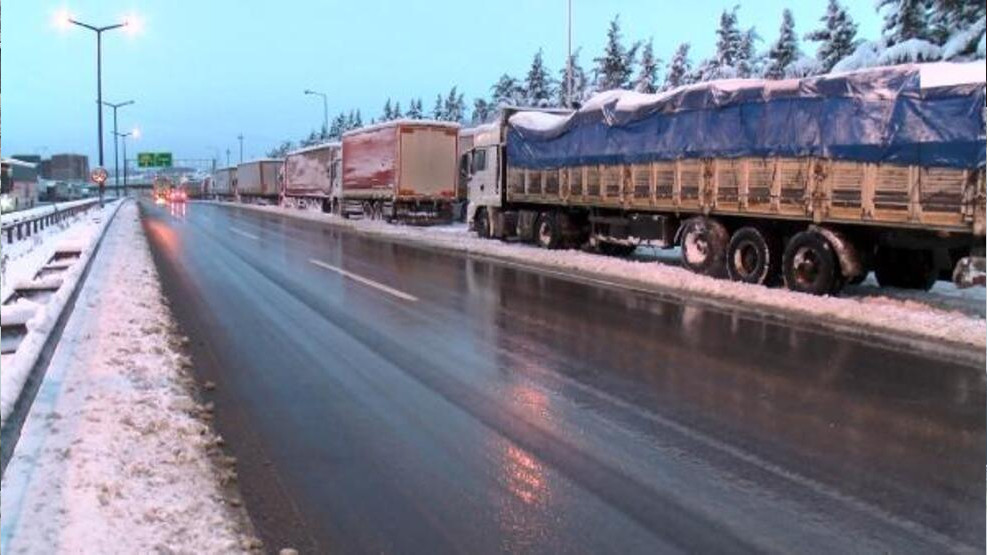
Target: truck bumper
x=970, y=271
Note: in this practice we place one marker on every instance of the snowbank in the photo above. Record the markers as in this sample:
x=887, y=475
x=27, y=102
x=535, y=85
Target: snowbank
x=949, y=320
x=116, y=456
x=11, y=217
x=84, y=234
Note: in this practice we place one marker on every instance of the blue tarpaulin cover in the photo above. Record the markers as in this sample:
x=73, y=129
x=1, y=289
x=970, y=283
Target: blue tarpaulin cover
x=893, y=114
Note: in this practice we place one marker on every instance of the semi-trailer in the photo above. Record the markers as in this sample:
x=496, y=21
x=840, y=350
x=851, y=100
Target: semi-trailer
x=258, y=180
x=400, y=170
x=811, y=182
x=312, y=177
x=224, y=182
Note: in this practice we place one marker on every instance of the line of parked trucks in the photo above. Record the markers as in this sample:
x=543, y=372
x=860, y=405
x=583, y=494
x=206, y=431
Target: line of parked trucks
x=812, y=183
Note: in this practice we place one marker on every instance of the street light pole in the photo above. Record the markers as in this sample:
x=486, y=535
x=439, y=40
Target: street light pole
x=99, y=76
x=240, y=138
x=116, y=135
x=325, y=108
x=123, y=139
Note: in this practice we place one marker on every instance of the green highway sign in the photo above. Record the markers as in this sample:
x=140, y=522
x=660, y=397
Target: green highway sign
x=154, y=159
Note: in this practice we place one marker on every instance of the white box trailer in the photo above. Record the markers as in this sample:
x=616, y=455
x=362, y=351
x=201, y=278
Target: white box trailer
x=312, y=177
x=259, y=179
x=224, y=182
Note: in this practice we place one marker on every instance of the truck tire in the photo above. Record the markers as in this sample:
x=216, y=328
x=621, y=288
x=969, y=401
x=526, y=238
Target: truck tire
x=704, y=246
x=905, y=268
x=810, y=265
x=754, y=256
x=482, y=224
x=547, y=232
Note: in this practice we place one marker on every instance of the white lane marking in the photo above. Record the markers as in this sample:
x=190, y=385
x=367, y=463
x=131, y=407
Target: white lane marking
x=365, y=281
x=244, y=233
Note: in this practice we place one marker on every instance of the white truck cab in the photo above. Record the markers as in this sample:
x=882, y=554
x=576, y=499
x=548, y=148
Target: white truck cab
x=481, y=165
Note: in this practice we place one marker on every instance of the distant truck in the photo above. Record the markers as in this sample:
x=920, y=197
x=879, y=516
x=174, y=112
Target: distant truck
x=258, y=180
x=313, y=177
x=224, y=183
x=400, y=170
x=813, y=182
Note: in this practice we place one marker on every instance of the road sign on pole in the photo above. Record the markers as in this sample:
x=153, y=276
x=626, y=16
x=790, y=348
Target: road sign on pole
x=154, y=160
x=99, y=175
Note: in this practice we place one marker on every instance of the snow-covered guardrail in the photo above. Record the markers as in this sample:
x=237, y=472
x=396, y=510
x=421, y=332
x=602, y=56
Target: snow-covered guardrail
x=21, y=226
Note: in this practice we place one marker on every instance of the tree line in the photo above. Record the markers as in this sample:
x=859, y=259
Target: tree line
x=913, y=31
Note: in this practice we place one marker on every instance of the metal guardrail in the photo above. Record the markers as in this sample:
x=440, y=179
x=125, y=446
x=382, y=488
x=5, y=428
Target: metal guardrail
x=23, y=229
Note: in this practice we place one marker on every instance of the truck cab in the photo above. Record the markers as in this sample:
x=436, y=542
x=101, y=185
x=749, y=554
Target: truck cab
x=480, y=166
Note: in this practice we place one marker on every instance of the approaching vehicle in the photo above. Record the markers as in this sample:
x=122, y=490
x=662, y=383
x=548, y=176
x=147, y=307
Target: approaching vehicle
x=224, y=183
x=814, y=181
x=312, y=177
x=400, y=170
x=258, y=180
x=162, y=188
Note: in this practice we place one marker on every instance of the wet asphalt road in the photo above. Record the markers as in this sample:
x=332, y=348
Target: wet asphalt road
x=386, y=398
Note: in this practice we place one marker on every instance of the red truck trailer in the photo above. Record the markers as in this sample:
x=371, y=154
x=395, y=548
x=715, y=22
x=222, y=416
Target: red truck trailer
x=312, y=176
x=401, y=170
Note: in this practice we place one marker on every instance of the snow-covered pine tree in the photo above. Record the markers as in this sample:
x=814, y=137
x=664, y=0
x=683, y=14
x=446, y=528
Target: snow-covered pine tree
x=396, y=112
x=749, y=63
x=337, y=127
x=837, y=37
x=678, y=69
x=785, y=50
x=579, y=82
x=904, y=20
x=647, y=77
x=388, y=111
x=454, y=108
x=357, y=119
x=415, y=109
x=613, y=69
x=506, y=91
x=728, y=38
x=438, y=112
x=538, y=84
x=959, y=26
x=481, y=111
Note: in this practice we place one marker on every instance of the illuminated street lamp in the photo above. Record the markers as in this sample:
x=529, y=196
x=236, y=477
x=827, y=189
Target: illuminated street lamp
x=325, y=108
x=132, y=24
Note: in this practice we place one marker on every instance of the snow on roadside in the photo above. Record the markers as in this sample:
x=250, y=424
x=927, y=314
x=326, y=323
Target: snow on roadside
x=19, y=215
x=115, y=455
x=79, y=235
x=950, y=317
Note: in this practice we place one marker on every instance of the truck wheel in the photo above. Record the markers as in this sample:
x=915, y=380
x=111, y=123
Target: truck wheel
x=704, y=246
x=547, y=232
x=811, y=266
x=754, y=256
x=482, y=224
x=905, y=268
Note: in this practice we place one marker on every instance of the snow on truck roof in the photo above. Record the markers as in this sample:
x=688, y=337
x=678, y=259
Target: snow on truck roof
x=930, y=75
x=312, y=148
x=403, y=121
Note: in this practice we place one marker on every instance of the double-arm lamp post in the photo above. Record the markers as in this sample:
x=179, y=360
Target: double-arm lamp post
x=116, y=155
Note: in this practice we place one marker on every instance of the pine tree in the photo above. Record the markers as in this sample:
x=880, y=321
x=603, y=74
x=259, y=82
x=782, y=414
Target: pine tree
x=647, y=77
x=454, y=108
x=837, y=36
x=357, y=120
x=785, y=50
x=415, y=109
x=336, y=128
x=396, y=112
x=579, y=83
x=437, y=111
x=959, y=25
x=904, y=20
x=748, y=62
x=507, y=92
x=613, y=69
x=388, y=112
x=678, y=69
x=538, y=85
x=728, y=39
x=481, y=111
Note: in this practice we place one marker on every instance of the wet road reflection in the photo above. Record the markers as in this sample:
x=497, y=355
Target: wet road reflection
x=513, y=409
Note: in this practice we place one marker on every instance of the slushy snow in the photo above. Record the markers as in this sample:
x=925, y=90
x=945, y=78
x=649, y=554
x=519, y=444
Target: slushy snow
x=114, y=456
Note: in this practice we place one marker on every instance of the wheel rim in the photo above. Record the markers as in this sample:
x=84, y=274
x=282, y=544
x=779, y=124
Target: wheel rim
x=696, y=248
x=746, y=259
x=544, y=234
x=806, y=265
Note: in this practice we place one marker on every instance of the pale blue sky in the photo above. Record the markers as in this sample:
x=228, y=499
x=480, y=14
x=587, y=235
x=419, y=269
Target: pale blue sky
x=204, y=71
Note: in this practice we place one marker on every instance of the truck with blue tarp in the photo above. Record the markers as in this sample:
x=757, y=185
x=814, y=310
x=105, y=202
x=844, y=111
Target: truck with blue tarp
x=812, y=182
